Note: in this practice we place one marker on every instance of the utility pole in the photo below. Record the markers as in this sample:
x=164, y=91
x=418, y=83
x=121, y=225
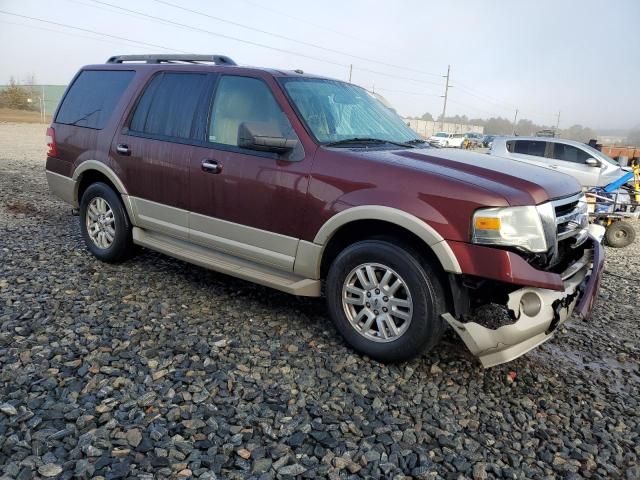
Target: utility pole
x=446, y=94
x=44, y=107
x=515, y=117
x=558, y=121
x=350, y=72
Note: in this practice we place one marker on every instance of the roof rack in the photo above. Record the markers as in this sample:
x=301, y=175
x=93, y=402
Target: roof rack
x=172, y=58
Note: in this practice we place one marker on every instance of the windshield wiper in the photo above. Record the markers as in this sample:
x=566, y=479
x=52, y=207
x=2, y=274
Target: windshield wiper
x=416, y=141
x=365, y=140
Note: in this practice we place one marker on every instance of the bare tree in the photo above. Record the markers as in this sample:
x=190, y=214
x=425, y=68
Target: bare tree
x=15, y=96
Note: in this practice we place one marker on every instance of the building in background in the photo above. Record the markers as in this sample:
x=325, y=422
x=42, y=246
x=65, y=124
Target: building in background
x=427, y=128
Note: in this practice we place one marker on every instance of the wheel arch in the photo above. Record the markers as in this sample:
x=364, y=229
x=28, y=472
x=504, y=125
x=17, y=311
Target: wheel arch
x=92, y=171
x=362, y=222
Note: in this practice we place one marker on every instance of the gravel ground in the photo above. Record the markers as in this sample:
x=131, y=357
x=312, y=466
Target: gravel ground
x=155, y=368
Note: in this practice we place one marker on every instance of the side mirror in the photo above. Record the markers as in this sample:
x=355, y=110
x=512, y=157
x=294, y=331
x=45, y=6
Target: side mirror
x=265, y=137
x=592, y=162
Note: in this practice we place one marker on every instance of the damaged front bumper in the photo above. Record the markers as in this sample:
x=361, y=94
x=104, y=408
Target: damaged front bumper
x=538, y=312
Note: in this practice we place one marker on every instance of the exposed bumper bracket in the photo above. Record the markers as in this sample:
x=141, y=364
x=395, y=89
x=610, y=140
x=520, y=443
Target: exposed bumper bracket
x=538, y=312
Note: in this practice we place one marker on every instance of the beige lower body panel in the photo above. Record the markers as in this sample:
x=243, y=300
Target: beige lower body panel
x=160, y=218
x=62, y=187
x=496, y=346
x=254, y=244
x=228, y=264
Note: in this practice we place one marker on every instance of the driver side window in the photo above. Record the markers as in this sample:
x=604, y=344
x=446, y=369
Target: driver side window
x=243, y=99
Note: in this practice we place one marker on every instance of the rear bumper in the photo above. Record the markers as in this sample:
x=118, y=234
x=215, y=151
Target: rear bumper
x=538, y=312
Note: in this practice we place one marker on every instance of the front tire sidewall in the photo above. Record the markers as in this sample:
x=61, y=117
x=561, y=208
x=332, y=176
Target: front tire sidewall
x=426, y=326
x=121, y=247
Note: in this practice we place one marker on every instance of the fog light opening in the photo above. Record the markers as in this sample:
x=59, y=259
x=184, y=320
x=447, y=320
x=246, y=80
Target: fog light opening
x=530, y=304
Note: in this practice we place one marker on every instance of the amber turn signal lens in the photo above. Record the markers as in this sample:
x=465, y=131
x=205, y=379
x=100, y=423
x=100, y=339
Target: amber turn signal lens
x=487, y=223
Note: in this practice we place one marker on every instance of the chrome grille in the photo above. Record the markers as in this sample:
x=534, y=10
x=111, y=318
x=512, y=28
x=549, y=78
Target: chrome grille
x=572, y=219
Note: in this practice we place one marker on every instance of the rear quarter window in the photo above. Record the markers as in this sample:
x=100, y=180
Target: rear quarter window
x=92, y=98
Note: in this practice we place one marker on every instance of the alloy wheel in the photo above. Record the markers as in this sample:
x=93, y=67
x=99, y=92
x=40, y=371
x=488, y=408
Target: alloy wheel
x=101, y=224
x=377, y=302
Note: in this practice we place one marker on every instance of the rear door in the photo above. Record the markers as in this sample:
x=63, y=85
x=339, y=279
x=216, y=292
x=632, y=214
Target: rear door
x=154, y=148
x=245, y=202
x=571, y=160
x=532, y=151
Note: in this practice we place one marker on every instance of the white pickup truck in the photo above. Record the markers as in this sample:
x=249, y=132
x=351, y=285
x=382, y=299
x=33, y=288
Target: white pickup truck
x=444, y=139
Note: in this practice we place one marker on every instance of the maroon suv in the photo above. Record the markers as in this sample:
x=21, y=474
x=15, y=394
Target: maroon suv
x=295, y=181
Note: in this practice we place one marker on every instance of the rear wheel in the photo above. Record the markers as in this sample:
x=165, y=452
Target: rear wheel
x=104, y=224
x=620, y=234
x=385, y=301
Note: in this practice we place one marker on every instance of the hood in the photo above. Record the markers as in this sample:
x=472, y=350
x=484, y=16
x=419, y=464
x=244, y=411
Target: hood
x=517, y=182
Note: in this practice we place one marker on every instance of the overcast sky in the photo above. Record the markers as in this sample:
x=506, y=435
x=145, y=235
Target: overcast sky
x=581, y=58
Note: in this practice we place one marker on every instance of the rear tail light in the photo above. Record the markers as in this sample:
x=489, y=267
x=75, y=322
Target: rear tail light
x=51, y=143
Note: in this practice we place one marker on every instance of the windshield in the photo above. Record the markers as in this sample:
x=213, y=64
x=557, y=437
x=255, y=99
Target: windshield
x=335, y=111
x=598, y=154
x=441, y=134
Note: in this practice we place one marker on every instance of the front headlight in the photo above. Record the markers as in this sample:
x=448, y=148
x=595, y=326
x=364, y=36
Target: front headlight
x=510, y=226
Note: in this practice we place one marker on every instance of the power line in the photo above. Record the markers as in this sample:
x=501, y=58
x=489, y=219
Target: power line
x=92, y=31
x=419, y=94
x=284, y=37
x=256, y=44
x=472, y=108
x=492, y=100
x=298, y=19
x=221, y=35
x=37, y=27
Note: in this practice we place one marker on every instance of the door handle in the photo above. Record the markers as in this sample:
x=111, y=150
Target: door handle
x=123, y=149
x=211, y=166
x=553, y=166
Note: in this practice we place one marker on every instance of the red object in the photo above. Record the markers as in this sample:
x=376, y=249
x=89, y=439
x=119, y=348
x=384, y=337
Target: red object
x=502, y=265
x=51, y=143
x=512, y=376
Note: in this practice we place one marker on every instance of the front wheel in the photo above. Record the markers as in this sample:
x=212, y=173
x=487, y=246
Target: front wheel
x=385, y=300
x=104, y=224
x=620, y=234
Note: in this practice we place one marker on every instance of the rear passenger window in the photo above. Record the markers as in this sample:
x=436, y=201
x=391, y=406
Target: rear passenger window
x=92, y=98
x=530, y=147
x=169, y=104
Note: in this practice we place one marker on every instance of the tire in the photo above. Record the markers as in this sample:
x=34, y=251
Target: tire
x=421, y=289
x=446, y=144
x=109, y=237
x=620, y=234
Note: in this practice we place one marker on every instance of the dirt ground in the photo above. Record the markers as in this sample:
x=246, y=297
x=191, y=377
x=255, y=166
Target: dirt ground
x=22, y=116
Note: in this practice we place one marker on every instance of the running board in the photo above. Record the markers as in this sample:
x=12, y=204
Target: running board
x=228, y=264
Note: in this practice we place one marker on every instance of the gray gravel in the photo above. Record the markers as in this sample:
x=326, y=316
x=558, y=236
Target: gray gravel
x=155, y=368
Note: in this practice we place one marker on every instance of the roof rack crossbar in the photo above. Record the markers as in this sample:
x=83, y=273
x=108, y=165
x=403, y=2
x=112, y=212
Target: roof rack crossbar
x=172, y=58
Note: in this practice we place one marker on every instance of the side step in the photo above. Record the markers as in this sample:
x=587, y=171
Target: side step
x=228, y=264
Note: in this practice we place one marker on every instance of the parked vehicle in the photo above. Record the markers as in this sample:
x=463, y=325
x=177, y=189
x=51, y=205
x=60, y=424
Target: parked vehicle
x=299, y=182
x=589, y=166
x=440, y=139
x=474, y=138
x=487, y=141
